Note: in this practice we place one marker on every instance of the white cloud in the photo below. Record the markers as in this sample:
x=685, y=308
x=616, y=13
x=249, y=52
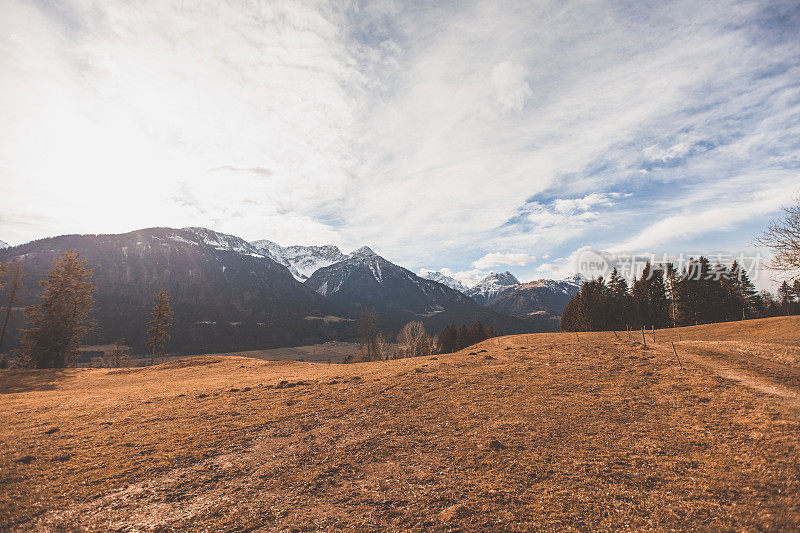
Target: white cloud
x=664, y=155
x=511, y=89
x=718, y=209
x=584, y=204
x=497, y=258
x=415, y=130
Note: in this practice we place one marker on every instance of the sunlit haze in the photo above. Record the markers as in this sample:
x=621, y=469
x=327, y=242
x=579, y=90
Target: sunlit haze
x=464, y=136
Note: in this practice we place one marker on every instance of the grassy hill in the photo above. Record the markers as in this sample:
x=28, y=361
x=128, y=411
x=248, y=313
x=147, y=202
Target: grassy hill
x=540, y=431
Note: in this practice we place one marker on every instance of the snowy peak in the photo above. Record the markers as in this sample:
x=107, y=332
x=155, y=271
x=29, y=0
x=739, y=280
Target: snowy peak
x=363, y=265
x=502, y=279
x=543, y=297
x=267, y=247
x=3, y=245
x=491, y=285
x=577, y=279
x=364, y=252
x=213, y=239
x=444, y=279
x=302, y=261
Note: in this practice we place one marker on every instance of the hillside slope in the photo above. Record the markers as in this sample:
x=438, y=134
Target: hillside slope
x=225, y=294
x=528, y=432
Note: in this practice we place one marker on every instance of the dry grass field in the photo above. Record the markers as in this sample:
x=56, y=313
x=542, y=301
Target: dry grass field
x=527, y=432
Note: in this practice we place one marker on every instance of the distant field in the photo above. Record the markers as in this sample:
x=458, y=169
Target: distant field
x=552, y=431
x=329, y=352
x=334, y=352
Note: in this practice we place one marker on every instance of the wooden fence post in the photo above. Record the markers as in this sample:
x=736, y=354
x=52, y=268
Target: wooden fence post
x=676, y=355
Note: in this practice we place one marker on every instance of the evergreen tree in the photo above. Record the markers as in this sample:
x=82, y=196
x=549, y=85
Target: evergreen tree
x=463, y=338
x=796, y=298
x=785, y=297
x=448, y=339
x=650, y=298
x=751, y=302
x=59, y=320
x=693, y=294
x=621, y=301
x=12, y=295
x=157, y=334
x=478, y=333
x=570, y=320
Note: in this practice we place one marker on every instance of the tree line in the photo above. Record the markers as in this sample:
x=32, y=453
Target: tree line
x=662, y=297
x=60, y=318
x=413, y=340
x=452, y=339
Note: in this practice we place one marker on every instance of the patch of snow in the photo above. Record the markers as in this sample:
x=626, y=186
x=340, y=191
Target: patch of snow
x=444, y=279
x=302, y=261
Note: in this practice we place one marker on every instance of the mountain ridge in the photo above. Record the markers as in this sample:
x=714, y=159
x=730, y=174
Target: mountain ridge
x=302, y=261
x=444, y=279
x=225, y=294
x=366, y=280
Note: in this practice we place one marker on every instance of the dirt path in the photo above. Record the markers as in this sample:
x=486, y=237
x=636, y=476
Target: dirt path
x=723, y=368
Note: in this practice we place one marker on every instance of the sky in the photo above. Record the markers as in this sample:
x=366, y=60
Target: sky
x=468, y=136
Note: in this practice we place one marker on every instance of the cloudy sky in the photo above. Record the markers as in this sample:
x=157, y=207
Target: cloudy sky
x=471, y=135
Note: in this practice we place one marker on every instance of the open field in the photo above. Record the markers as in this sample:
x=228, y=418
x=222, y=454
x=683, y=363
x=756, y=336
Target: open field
x=334, y=352
x=545, y=431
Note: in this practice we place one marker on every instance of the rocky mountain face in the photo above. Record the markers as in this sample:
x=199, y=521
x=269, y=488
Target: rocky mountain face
x=491, y=285
x=444, y=279
x=366, y=280
x=302, y=261
x=543, y=297
x=226, y=294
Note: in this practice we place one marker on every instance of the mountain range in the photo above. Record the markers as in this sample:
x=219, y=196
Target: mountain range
x=229, y=294
x=3, y=245
x=503, y=293
x=544, y=297
x=226, y=295
x=366, y=280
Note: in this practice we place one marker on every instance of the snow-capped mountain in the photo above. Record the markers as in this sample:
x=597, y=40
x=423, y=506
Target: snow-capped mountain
x=491, y=285
x=3, y=245
x=302, y=261
x=365, y=280
x=225, y=294
x=544, y=297
x=444, y=279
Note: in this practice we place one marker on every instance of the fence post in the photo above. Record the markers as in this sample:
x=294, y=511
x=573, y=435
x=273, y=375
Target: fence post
x=676, y=355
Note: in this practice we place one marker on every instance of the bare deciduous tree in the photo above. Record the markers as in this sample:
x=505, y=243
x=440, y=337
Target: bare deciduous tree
x=414, y=342
x=783, y=237
x=367, y=336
